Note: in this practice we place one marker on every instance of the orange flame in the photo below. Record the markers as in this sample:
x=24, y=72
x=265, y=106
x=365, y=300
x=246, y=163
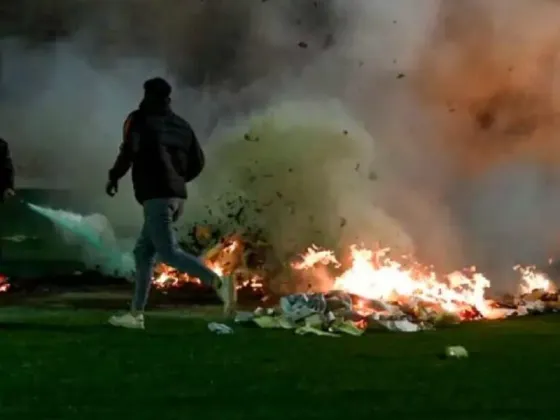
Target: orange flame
x=372, y=275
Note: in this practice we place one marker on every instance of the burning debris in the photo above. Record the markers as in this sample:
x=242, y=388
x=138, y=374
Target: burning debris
x=371, y=291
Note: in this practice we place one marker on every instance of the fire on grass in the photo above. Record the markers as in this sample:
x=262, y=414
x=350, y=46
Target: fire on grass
x=374, y=276
x=369, y=276
x=230, y=256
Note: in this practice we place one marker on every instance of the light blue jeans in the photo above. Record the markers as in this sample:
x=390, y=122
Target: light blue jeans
x=158, y=238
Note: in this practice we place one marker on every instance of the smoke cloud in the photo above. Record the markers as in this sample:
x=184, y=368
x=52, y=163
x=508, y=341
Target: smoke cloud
x=422, y=124
x=489, y=75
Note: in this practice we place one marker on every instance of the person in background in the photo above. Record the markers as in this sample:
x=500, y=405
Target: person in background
x=6, y=175
x=6, y=172
x=164, y=154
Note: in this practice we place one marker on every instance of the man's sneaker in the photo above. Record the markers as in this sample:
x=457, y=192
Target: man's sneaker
x=135, y=322
x=227, y=293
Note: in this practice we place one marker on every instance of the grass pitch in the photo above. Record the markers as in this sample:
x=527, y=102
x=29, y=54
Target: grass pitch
x=68, y=365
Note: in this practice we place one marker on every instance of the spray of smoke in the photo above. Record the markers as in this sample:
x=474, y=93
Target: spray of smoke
x=95, y=236
x=452, y=104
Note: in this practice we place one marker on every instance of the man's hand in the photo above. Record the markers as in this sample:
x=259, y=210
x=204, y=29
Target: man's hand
x=9, y=193
x=112, y=188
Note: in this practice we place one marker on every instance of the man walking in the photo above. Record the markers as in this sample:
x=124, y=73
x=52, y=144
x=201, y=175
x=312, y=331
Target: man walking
x=164, y=154
x=6, y=172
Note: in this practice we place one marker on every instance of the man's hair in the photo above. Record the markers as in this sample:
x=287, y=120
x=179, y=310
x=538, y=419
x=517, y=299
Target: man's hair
x=157, y=88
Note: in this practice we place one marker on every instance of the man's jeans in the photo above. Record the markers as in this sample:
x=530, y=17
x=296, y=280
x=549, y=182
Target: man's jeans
x=157, y=237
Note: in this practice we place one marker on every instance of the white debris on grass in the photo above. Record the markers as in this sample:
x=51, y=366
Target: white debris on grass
x=220, y=329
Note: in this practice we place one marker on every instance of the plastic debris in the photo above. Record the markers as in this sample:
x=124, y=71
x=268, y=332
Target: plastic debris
x=220, y=329
x=244, y=317
x=268, y=321
x=306, y=330
x=299, y=306
x=346, y=327
x=456, y=352
x=315, y=321
x=537, y=306
x=402, y=325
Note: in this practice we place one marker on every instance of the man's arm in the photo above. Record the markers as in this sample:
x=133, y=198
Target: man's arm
x=6, y=167
x=124, y=159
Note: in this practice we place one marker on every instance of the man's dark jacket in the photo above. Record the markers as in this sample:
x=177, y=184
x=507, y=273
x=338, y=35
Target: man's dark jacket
x=6, y=168
x=163, y=151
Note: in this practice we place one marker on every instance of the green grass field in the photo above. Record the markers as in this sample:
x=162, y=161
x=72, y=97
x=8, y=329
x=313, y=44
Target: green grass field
x=69, y=365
